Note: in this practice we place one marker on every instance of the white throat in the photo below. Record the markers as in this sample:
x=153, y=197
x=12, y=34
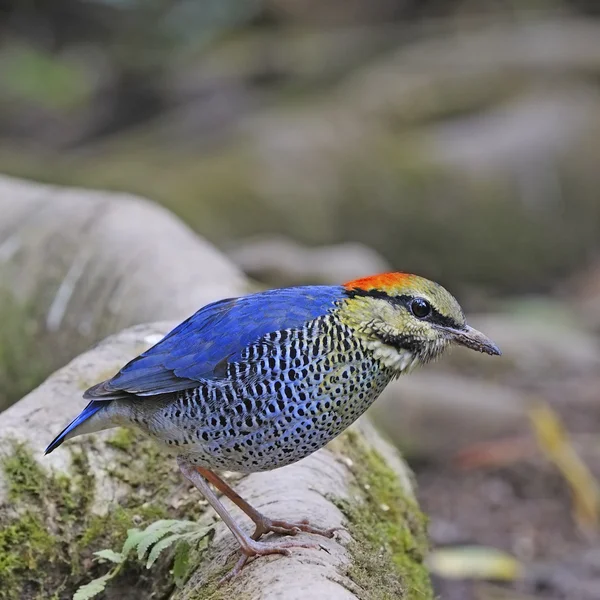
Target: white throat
x=399, y=360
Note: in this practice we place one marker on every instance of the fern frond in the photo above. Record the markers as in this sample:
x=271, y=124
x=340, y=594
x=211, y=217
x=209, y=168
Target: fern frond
x=93, y=588
x=160, y=529
x=162, y=545
x=155, y=539
x=133, y=538
x=110, y=555
x=181, y=563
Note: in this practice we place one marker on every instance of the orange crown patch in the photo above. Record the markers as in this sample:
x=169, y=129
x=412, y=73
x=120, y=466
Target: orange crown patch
x=383, y=281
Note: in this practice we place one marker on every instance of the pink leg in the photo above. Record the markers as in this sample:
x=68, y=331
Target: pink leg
x=263, y=523
x=249, y=547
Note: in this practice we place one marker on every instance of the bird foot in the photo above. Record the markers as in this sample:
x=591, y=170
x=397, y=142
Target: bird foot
x=252, y=548
x=265, y=525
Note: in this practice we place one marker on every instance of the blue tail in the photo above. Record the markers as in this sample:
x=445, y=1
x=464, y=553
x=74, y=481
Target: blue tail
x=91, y=409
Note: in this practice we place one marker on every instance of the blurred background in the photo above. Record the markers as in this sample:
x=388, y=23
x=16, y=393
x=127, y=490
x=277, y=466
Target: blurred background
x=314, y=141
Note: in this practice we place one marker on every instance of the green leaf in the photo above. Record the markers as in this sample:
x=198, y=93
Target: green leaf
x=181, y=563
x=200, y=533
x=93, y=588
x=163, y=524
x=158, y=530
x=133, y=538
x=157, y=537
x=110, y=555
x=162, y=545
x=474, y=562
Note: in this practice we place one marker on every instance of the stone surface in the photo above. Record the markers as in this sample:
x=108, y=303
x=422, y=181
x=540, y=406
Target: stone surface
x=281, y=261
x=455, y=155
x=541, y=344
x=306, y=488
x=83, y=264
x=434, y=416
x=90, y=263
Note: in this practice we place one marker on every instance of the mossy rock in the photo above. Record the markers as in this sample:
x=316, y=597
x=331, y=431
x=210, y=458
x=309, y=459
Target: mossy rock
x=86, y=495
x=389, y=532
x=49, y=530
x=78, y=265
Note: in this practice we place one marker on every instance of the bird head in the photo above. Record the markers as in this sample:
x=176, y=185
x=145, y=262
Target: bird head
x=408, y=320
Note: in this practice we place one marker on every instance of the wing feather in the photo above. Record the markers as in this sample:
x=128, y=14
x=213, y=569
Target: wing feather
x=201, y=347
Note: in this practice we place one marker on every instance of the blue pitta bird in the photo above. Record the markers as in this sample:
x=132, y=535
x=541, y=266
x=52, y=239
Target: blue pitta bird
x=258, y=382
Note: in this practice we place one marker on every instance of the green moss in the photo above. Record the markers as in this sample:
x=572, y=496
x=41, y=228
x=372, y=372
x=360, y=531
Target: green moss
x=122, y=440
x=39, y=534
x=389, y=531
x=23, y=475
x=145, y=468
x=211, y=589
x=48, y=532
x=25, y=546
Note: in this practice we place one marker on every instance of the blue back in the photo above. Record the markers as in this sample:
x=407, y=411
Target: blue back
x=200, y=347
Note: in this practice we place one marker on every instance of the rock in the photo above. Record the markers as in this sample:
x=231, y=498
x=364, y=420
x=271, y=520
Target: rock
x=540, y=344
x=337, y=13
x=106, y=260
x=525, y=136
x=124, y=475
x=434, y=416
x=83, y=264
x=280, y=261
x=585, y=295
x=450, y=156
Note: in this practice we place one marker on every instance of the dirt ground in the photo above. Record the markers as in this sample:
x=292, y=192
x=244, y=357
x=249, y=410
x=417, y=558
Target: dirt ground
x=523, y=507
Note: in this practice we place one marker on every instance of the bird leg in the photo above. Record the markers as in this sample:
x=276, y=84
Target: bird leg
x=263, y=523
x=249, y=547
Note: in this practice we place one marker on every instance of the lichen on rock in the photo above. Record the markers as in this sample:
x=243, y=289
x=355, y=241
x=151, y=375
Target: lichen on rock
x=49, y=530
x=388, y=530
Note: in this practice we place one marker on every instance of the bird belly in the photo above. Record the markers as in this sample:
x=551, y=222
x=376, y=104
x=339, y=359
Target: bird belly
x=288, y=396
x=280, y=429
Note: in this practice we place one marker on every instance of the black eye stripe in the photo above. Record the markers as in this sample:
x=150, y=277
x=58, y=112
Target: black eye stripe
x=434, y=317
x=404, y=300
x=442, y=320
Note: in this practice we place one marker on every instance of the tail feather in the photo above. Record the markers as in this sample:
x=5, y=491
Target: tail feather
x=89, y=411
x=103, y=392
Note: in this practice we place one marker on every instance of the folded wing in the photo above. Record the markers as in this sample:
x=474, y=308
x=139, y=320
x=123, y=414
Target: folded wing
x=201, y=347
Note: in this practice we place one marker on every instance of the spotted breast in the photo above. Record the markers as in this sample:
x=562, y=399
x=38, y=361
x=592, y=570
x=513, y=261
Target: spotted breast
x=290, y=393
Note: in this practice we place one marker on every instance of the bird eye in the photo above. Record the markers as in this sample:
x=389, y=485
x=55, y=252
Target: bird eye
x=420, y=308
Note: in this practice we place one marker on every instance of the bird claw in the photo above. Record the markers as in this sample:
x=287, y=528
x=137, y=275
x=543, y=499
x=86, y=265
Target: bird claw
x=252, y=548
x=266, y=525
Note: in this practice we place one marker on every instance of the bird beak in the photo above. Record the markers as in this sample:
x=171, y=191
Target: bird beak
x=471, y=338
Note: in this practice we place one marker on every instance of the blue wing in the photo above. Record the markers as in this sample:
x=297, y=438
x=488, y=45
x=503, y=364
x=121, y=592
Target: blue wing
x=200, y=347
